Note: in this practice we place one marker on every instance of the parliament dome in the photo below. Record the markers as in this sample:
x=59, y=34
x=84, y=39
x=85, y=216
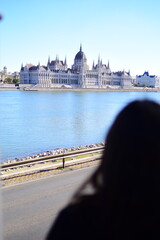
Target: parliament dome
x=80, y=55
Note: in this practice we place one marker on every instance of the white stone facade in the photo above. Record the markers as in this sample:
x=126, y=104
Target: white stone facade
x=57, y=74
x=147, y=80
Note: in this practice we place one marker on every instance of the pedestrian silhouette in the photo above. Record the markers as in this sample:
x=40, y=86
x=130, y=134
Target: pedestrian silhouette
x=124, y=197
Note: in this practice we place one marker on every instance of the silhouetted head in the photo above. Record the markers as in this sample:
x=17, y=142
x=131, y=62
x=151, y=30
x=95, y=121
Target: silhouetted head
x=130, y=167
x=129, y=173
x=126, y=185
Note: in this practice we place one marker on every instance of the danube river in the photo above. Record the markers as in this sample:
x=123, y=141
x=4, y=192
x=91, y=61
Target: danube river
x=34, y=122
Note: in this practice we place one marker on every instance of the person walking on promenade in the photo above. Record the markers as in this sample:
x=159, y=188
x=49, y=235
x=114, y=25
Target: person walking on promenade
x=125, y=199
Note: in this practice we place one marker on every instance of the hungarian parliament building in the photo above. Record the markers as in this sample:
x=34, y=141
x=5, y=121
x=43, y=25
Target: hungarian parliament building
x=57, y=74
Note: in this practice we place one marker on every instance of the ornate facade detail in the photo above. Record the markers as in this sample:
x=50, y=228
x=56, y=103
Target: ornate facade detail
x=57, y=74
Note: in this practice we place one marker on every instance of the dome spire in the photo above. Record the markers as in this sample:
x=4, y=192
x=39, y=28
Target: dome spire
x=81, y=47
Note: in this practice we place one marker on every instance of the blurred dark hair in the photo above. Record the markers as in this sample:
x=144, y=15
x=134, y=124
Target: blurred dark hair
x=129, y=172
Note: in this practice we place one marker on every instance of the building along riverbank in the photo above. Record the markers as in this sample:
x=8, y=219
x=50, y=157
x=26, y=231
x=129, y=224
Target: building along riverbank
x=30, y=87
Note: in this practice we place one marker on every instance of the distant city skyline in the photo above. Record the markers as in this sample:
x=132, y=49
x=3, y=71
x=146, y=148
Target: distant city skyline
x=125, y=33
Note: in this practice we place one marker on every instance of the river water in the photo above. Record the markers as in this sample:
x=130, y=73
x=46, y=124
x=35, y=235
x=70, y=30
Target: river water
x=34, y=122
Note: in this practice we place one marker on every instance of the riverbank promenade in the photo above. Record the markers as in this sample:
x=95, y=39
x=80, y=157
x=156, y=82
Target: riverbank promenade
x=30, y=87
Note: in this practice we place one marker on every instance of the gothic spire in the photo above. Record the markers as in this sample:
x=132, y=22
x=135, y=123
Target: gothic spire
x=38, y=65
x=57, y=58
x=93, y=65
x=99, y=60
x=129, y=72
x=65, y=61
x=108, y=65
x=49, y=60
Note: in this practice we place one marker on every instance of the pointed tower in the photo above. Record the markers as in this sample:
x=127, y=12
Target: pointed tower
x=108, y=65
x=80, y=47
x=93, y=65
x=57, y=58
x=99, y=61
x=49, y=60
x=48, y=64
x=99, y=72
x=108, y=70
x=129, y=72
x=38, y=66
x=65, y=61
x=65, y=64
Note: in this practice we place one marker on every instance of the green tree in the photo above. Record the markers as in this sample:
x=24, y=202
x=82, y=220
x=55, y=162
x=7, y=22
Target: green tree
x=16, y=80
x=9, y=80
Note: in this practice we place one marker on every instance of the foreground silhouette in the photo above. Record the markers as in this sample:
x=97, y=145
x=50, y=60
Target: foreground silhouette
x=125, y=198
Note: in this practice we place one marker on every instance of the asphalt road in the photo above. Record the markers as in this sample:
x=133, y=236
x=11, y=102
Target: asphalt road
x=30, y=208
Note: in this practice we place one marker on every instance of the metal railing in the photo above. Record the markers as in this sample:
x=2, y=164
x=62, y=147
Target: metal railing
x=51, y=158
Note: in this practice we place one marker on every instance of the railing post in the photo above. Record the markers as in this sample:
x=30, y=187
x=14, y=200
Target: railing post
x=63, y=162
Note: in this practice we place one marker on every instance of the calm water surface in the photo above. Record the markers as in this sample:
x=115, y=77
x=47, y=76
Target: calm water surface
x=34, y=122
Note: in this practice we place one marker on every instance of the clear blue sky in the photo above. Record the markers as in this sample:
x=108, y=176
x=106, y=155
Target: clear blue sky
x=127, y=33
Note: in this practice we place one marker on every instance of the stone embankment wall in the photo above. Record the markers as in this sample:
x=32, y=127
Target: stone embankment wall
x=57, y=151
